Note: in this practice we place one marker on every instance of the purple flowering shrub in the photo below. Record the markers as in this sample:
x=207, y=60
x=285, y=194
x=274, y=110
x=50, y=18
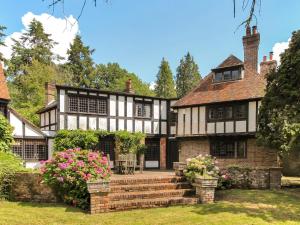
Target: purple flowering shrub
x=69, y=170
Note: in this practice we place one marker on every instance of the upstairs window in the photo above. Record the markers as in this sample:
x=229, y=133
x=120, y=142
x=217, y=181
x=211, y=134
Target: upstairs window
x=142, y=110
x=82, y=104
x=227, y=75
x=227, y=112
x=173, y=118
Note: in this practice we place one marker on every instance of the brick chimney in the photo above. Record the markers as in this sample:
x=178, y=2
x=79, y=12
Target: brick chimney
x=129, y=88
x=267, y=65
x=251, y=43
x=49, y=93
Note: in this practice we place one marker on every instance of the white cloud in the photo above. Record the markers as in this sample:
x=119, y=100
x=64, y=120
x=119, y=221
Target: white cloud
x=279, y=48
x=62, y=30
x=152, y=85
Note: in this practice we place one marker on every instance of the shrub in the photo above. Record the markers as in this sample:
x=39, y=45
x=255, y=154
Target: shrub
x=9, y=165
x=67, y=139
x=204, y=166
x=127, y=142
x=6, y=138
x=225, y=180
x=69, y=170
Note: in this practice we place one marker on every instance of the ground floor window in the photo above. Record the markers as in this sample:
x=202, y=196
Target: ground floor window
x=31, y=149
x=228, y=148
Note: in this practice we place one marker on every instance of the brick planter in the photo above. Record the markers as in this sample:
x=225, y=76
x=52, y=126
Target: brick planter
x=99, y=200
x=205, y=189
x=179, y=167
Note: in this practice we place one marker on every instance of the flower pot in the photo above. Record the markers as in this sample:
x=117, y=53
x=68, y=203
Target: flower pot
x=98, y=186
x=206, y=182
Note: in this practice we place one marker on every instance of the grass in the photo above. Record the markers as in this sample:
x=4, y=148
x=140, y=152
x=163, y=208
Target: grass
x=245, y=207
x=290, y=181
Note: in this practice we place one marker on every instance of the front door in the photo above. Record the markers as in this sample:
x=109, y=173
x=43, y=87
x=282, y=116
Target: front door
x=172, y=153
x=152, y=154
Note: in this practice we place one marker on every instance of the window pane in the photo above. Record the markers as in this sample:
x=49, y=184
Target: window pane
x=228, y=112
x=139, y=109
x=83, y=104
x=241, y=111
x=227, y=75
x=147, y=110
x=218, y=76
x=102, y=106
x=17, y=148
x=220, y=111
x=235, y=74
x=241, y=149
x=73, y=104
x=92, y=105
x=211, y=113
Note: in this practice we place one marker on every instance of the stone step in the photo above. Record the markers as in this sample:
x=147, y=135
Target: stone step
x=146, y=180
x=150, y=203
x=151, y=194
x=149, y=187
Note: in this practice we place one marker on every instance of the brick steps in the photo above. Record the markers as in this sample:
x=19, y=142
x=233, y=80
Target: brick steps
x=151, y=194
x=150, y=203
x=128, y=193
x=132, y=181
x=149, y=187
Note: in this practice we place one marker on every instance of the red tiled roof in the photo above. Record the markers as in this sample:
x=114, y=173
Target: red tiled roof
x=252, y=86
x=4, y=94
x=231, y=61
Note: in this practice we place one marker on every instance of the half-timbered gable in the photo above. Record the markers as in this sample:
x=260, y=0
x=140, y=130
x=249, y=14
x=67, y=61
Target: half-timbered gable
x=219, y=116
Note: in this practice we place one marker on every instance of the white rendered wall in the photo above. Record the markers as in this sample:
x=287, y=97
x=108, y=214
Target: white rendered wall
x=62, y=100
x=112, y=105
x=156, y=109
x=195, y=120
x=129, y=106
x=121, y=106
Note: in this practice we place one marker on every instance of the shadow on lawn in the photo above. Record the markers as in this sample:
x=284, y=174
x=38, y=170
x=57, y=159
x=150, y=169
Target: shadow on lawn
x=281, y=205
x=52, y=205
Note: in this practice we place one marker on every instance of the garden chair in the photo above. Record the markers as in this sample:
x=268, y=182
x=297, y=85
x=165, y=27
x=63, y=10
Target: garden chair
x=131, y=163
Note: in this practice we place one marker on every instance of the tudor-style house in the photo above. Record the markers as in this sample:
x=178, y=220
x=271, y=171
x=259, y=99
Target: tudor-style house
x=94, y=109
x=219, y=116
x=30, y=143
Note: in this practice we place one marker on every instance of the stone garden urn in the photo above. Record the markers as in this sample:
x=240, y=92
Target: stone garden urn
x=179, y=167
x=205, y=188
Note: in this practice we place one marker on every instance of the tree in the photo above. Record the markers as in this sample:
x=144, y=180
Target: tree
x=2, y=28
x=112, y=77
x=34, y=44
x=80, y=63
x=28, y=91
x=6, y=138
x=187, y=76
x=164, y=85
x=279, y=117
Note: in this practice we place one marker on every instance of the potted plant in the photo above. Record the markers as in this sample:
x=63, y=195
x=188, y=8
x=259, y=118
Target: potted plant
x=202, y=172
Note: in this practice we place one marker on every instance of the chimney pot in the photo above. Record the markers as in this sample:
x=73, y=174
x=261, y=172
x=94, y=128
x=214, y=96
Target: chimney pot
x=264, y=58
x=248, y=31
x=129, y=88
x=271, y=56
x=254, y=29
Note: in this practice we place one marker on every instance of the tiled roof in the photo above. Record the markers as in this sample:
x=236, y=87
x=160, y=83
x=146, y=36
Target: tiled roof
x=252, y=86
x=46, y=108
x=4, y=94
x=231, y=61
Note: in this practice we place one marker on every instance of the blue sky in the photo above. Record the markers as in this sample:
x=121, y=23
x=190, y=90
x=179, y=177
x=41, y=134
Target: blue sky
x=138, y=33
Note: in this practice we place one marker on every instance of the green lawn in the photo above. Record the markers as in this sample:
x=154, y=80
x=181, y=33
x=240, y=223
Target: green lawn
x=243, y=207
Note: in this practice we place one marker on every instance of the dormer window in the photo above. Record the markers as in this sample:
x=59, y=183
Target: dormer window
x=227, y=75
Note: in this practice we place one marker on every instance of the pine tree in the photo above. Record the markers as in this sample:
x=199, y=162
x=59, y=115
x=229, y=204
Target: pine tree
x=164, y=85
x=187, y=76
x=80, y=63
x=2, y=28
x=279, y=117
x=34, y=44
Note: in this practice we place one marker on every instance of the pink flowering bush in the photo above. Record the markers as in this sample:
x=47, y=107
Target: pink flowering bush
x=225, y=180
x=69, y=170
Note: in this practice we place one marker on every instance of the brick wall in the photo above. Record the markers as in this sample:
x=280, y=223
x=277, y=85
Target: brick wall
x=163, y=152
x=256, y=156
x=28, y=187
